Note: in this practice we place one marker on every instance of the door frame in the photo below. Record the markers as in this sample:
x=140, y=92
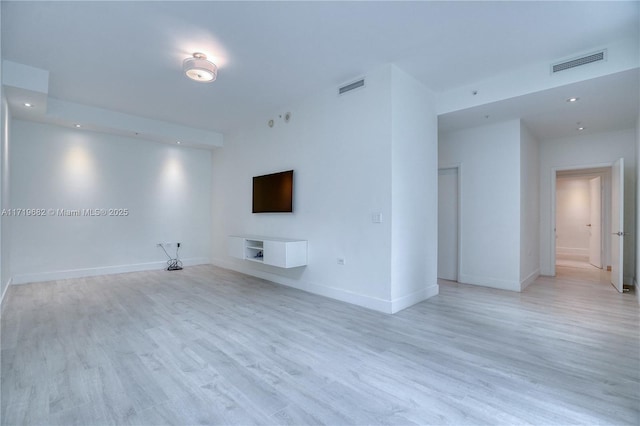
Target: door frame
x=596, y=192
x=617, y=268
x=552, y=228
x=457, y=166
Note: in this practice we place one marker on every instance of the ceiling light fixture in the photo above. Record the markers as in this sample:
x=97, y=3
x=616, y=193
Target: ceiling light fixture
x=77, y=126
x=199, y=69
x=570, y=100
x=28, y=105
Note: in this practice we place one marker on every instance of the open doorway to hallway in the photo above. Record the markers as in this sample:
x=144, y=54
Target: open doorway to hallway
x=583, y=214
x=448, y=222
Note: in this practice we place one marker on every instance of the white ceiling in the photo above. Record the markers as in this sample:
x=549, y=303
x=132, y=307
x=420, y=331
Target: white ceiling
x=127, y=56
x=604, y=103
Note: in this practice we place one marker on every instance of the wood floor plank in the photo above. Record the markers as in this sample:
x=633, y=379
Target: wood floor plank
x=211, y=346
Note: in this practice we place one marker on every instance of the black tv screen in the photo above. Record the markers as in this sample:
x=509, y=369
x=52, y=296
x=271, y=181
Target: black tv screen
x=273, y=193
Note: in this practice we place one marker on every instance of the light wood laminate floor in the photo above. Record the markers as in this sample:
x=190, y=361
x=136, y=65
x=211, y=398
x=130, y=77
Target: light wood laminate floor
x=211, y=346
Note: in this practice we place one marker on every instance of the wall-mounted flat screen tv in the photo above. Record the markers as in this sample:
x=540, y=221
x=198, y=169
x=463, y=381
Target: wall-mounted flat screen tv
x=273, y=193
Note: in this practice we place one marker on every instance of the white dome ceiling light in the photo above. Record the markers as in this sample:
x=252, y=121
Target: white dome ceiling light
x=199, y=69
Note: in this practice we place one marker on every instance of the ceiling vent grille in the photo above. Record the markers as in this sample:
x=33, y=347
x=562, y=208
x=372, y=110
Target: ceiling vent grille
x=584, y=60
x=351, y=86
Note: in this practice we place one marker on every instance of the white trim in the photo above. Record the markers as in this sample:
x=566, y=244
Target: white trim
x=4, y=292
x=104, y=270
x=411, y=299
x=460, y=233
x=458, y=167
x=490, y=282
x=368, y=302
x=637, y=290
x=530, y=279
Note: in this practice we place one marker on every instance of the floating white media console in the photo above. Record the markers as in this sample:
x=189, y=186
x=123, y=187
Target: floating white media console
x=279, y=252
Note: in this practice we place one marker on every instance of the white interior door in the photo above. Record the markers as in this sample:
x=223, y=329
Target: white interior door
x=595, y=219
x=448, y=224
x=617, y=224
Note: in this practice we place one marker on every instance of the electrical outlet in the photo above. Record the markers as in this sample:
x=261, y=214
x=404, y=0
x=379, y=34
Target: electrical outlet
x=341, y=261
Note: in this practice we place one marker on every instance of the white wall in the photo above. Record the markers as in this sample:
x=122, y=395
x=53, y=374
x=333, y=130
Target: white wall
x=529, y=207
x=414, y=176
x=341, y=150
x=573, y=212
x=490, y=202
x=589, y=150
x=164, y=187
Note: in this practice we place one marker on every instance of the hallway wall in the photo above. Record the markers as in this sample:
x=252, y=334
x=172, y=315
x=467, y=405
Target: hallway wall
x=572, y=214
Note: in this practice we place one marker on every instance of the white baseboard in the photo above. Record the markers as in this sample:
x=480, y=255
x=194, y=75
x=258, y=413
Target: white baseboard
x=376, y=304
x=489, y=282
x=103, y=270
x=406, y=301
x=546, y=272
x=637, y=290
x=529, y=279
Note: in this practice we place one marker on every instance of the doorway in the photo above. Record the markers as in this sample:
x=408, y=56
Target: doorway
x=582, y=214
x=448, y=222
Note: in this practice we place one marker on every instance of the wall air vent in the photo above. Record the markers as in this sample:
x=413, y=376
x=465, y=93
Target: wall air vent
x=351, y=86
x=584, y=60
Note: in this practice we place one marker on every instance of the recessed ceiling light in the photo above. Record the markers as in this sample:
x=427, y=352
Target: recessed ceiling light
x=199, y=69
x=77, y=126
x=178, y=142
x=570, y=100
x=28, y=105
x=580, y=128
